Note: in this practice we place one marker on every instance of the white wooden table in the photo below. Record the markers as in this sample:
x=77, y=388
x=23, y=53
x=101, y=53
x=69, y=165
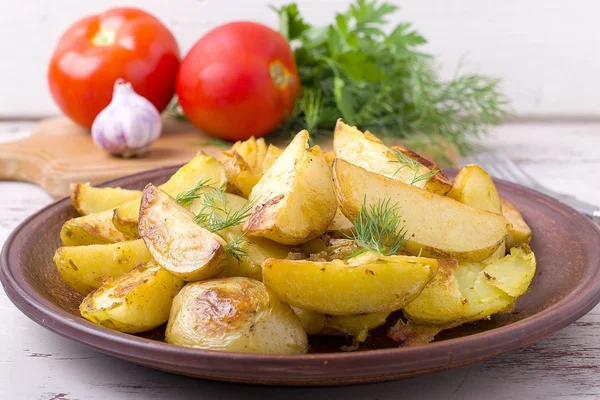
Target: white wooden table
x=37, y=364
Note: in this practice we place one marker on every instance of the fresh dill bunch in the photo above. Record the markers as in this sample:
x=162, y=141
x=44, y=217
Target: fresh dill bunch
x=407, y=162
x=379, y=229
x=186, y=198
x=378, y=77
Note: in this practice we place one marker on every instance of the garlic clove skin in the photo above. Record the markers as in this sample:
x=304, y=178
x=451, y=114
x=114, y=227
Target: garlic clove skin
x=129, y=125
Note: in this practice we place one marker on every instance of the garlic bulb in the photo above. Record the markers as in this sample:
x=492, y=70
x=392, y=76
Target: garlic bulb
x=129, y=125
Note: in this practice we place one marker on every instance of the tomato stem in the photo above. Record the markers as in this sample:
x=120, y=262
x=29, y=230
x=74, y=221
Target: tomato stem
x=104, y=37
x=279, y=74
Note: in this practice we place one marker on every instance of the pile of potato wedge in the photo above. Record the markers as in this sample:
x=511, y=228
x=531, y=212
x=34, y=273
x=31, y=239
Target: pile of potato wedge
x=146, y=258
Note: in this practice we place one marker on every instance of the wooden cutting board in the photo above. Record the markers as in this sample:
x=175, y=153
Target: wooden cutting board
x=60, y=152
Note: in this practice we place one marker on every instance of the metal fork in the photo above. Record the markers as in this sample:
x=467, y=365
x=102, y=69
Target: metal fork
x=501, y=166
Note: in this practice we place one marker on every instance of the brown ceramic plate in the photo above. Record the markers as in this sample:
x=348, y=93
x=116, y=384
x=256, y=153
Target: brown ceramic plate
x=565, y=287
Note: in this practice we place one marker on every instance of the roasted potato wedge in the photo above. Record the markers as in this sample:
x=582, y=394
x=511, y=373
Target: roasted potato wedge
x=329, y=156
x=368, y=283
x=520, y=232
x=261, y=153
x=201, y=167
x=474, y=187
x=176, y=241
x=341, y=226
x=438, y=226
x=95, y=228
x=249, y=150
x=313, y=322
x=234, y=314
x=273, y=153
x=252, y=151
x=135, y=302
x=465, y=292
x=240, y=177
x=438, y=183
x=246, y=162
x=86, y=268
x=88, y=199
x=294, y=200
x=256, y=249
x=368, y=152
x=357, y=326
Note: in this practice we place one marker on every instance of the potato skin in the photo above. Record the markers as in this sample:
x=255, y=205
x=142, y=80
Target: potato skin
x=240, y=178
x=365, y=284
x=295, y=199
x=357, y=326
x=257, y=249
x=438, y=226
x=340, y=227
x=313, y=322
x=135, y=302
x=85, y=268
x=246, y=162
x=234, y=314
x=176, y=241
x=474, y=187
x=273, y=153
x=88, y=199
x=201, y=167
x=96, y=228
x=368, y=152
x=520, y=232
x=465, y=292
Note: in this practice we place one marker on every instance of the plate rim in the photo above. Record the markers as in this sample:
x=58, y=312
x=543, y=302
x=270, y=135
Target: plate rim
x=432, y=356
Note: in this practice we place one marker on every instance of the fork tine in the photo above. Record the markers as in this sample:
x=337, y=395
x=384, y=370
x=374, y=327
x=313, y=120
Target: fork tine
x=493, y=167
x=513, y=170
x=484, y=160
x=501, y=166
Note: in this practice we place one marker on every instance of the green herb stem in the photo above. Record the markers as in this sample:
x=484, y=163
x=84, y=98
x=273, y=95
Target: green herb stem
x=379, y=229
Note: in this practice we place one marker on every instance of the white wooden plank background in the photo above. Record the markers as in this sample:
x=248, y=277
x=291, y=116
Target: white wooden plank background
x=37, y=364
x=545, y=50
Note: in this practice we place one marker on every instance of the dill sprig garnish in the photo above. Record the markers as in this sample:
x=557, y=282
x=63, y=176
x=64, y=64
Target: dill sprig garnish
x=415, y=166
x=215, y=213
x=379, y=229
x=234, y=248
x=186, y=198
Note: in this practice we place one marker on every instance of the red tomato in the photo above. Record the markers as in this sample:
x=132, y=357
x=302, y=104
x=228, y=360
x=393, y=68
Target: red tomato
x=239, y=80
x=93, y=53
